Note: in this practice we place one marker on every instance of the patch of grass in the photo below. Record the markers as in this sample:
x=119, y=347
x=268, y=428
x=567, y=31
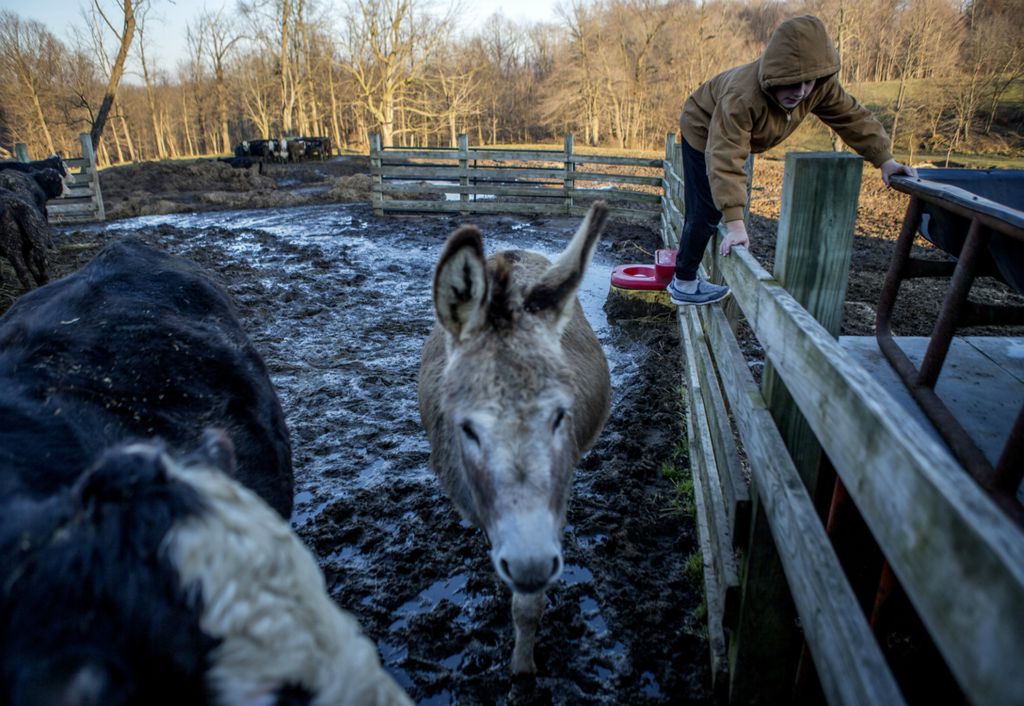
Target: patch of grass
x=693, y=569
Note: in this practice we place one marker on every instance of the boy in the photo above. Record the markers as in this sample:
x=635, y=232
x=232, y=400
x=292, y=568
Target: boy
x=751, y=108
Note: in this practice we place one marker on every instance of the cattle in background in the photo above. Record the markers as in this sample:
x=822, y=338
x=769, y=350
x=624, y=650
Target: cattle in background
x=296, y=149
x=513, y=389
x=317, y=147
x=260, y=148
x=137, y=570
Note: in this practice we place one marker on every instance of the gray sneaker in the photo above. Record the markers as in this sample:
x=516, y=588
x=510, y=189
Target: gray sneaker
x=706, y=293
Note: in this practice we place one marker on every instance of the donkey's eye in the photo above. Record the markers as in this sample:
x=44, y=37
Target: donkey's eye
x=467, y=431
x=559, y=416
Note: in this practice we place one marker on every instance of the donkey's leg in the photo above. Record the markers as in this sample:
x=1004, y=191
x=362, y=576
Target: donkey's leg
x=526, y=611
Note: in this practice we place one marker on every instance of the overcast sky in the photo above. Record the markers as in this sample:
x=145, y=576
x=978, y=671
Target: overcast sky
x=167, y=44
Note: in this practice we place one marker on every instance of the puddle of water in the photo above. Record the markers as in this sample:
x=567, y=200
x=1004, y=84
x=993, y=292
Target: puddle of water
x=573, y=575
x=428, y=599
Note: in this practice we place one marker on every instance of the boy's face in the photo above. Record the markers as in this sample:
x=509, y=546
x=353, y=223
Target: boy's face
x=790, y=95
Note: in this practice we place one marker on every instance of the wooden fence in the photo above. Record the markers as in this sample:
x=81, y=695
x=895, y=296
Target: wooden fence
x=774, y=583
x=486, y=180
x=82, y=200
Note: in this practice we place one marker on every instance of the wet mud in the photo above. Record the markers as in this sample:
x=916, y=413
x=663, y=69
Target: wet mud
x=339, y=303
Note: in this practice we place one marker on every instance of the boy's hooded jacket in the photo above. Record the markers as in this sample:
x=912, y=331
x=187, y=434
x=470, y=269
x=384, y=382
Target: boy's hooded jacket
x=735, y=113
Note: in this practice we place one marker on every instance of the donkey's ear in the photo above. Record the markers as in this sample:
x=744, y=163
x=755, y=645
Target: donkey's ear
x=554, y=293
x=460, y=283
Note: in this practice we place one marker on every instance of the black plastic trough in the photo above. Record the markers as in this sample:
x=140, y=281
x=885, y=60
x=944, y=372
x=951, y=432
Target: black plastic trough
x=998, y=192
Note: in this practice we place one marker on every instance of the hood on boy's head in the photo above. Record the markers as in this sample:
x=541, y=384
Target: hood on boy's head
x=798, y=50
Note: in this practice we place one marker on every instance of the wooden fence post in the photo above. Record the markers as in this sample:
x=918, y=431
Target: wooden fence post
x=812, y=262
x=376, y=174
x=21, y=152
x=569, y=183
x=464, y=173
x=89, y=155
x=812, y=258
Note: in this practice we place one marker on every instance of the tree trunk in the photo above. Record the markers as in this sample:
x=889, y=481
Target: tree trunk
x=286, y=106
x=127, y=138
x=115, y=75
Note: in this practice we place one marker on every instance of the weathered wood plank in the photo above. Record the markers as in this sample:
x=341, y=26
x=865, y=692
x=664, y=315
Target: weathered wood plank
x=704, y=461
x=960, y=559
x=735, y=488
x=75, y=191
x=62, y=207
x=475, y=207
x=479, y=173
x=981, y=382
x=376, y=173
x=617, y=195
x=569, y=184
x=526, y=190
x=75, y=178
x=850, y=664
x=647, y=216
x=618, y=178
x=392, y=154
x=619, y=161
x=812, y=257
x=714, y=586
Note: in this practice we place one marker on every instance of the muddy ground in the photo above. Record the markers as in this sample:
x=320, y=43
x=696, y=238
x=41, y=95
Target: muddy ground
x=338, y=303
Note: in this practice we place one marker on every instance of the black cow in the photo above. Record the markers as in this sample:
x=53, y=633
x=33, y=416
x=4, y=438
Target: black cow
x=135, y=568
x=38, y=186
x=262, y=148
x=317, y=147
x=52, y=162
x=24, y=237
x=242, y=163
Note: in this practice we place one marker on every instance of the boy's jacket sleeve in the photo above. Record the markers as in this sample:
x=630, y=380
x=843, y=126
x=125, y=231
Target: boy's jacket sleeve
x=853, y=123
x=727, y=149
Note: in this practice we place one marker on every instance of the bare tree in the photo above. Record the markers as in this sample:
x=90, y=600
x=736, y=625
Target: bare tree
x=154, y=112
x=390, y=43
x=220, y=38
x=124, y=36
x=29, y=52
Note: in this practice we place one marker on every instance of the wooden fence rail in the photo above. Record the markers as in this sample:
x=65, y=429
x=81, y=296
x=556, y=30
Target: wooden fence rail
x=958, y=557
x=82, y=200
x=484, y=180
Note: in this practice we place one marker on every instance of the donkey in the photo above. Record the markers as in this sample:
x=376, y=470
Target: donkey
x=513, y=389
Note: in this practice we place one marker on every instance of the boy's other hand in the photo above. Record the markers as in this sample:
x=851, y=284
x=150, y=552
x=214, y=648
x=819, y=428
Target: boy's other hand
x=736, y=234
x=893, y=168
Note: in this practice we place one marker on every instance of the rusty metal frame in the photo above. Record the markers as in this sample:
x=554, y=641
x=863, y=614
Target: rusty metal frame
x=1002, y=480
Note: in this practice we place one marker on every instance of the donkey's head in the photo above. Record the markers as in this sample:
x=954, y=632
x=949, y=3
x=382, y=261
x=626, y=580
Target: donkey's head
x=516, y=394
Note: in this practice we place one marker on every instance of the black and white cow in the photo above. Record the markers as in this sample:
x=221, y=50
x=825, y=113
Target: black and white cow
x=145, y=474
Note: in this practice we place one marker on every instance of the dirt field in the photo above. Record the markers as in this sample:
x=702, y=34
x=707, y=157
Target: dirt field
x=338, y=302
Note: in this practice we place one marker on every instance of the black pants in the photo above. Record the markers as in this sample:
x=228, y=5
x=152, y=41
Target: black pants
x=700, y=218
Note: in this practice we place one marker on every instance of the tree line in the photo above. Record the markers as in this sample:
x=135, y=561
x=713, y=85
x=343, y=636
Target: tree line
x=612, y=72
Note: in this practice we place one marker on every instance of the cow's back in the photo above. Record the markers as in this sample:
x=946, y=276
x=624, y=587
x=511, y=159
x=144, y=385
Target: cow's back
x=136, y=344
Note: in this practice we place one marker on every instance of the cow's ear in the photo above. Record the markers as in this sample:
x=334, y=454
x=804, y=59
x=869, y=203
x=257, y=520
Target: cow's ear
x=217, y=450
x=460, y=284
